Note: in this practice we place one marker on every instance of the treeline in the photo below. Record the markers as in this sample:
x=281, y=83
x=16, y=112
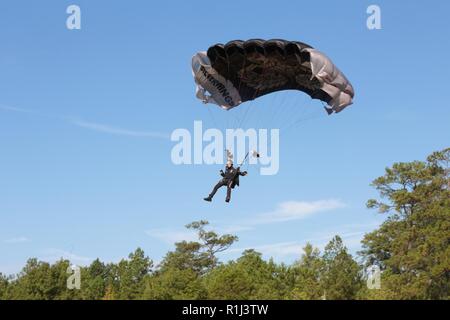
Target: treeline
x=411, y=248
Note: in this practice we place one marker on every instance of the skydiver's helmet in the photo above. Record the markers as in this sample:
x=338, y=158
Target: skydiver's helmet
x=229, y=163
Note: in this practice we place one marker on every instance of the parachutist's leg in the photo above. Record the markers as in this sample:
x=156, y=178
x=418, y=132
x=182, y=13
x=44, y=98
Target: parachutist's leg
x=228, y=192
x=216, y=187
x=220, y=184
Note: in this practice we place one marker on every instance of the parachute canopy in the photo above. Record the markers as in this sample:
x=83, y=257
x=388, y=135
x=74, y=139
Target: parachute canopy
x=239, y=71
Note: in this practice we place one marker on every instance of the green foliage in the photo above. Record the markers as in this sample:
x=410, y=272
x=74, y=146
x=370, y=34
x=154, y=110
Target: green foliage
x=199, y=256
x=129, y=275
x=181, y=272
x=412, y=245
x=250, y=277
x=42, y=281
x=307, y=275
x=4, y=287
x=97, y=279
x=340, y=276
x=175, y=284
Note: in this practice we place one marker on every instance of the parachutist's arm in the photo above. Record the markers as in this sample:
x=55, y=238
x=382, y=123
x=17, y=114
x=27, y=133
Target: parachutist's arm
x=244, y=173
x=222, y=173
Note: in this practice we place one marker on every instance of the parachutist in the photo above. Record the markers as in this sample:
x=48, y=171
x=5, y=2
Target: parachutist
x=230, y=178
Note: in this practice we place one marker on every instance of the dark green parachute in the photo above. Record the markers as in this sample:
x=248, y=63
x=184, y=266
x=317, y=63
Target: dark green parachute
x=239, y=71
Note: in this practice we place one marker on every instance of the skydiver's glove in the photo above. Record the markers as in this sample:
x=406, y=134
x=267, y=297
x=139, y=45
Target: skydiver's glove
x=244, y=173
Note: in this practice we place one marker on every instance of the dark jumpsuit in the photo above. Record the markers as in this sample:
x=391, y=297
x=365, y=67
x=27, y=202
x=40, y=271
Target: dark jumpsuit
x=230, y=179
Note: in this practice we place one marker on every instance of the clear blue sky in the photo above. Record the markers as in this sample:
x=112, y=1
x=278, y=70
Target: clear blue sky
x=85, y=169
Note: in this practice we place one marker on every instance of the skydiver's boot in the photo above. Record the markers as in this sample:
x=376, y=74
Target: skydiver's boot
x=227, y=199
x=208, y=198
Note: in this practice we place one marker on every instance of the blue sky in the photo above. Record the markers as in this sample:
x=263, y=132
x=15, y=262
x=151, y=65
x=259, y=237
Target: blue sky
x=85, y=168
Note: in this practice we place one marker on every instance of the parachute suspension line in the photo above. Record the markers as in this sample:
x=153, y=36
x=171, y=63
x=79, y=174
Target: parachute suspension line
x=259, y=115
x=314, y=115
x=287, y=111
x=245, y=158
x=256, y=114
x=310, y=116
x=212, y=117
x=247, y=165
x=298, y=117
x=303, y=105
x=244, y=117
x=233, y=117
x=227, y=116
x=265, y=118
x=235, y=114
x=280, y=109
x=295, y=114
x=269, y=106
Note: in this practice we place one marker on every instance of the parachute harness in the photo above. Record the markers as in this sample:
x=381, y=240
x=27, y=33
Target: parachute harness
x=230, y=157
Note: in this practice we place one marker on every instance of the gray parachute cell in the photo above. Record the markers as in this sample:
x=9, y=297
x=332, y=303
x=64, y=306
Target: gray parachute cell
x=239, y=71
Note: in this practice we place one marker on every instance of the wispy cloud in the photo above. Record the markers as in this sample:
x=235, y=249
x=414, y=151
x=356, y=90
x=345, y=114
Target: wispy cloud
x=285, y=211
x=52, y=255
x=295, y=210
x=95, y=126
x=14, y=109
x=105, y=128
x=17, y=240
x=293, y=249
x=172, y=236
x=235, y=228
x=351, y=235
